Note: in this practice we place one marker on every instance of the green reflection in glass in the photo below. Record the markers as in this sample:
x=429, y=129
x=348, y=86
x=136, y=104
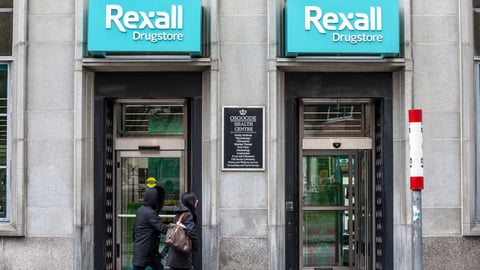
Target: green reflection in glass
x=324, y=181
x=323, y=238
x=166, y=123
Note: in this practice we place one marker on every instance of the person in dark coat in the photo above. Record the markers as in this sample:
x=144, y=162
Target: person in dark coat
x=147, y=230
x=179, y=260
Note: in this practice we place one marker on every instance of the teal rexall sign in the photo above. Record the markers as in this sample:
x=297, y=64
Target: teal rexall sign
x=355, y=27
x=159, y=26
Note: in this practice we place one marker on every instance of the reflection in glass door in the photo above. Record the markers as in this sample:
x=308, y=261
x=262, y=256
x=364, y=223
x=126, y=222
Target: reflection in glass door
x=132, y=171
x=335, y=214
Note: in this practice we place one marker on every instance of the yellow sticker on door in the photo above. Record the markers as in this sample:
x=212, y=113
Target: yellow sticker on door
x=151, y=182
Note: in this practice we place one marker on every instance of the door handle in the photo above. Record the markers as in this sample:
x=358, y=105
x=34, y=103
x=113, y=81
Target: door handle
x=289, y=206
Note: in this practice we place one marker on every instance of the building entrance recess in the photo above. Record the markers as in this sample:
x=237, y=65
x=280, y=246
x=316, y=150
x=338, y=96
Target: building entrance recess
x=338, y=171
x=147, y=126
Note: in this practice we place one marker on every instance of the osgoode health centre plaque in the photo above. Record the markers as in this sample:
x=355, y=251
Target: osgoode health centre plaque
x=243, y=138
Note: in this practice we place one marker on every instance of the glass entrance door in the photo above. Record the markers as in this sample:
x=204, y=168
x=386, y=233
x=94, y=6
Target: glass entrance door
x=133, y=169
x=335, y=215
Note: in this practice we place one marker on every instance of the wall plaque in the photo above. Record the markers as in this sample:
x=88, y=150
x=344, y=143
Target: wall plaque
x=243, y=138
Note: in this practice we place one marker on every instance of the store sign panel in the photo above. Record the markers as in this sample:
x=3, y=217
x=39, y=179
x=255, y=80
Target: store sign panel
x=342, y=27
x=170, y=26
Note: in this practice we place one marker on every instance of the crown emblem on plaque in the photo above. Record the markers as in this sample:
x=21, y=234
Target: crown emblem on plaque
x=242, y=112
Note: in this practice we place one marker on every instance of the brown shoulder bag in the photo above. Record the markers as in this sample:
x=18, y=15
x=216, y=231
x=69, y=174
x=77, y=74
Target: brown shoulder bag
x=177, y=237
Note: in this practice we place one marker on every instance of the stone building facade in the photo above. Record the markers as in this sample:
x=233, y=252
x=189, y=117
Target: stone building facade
x=73, y=170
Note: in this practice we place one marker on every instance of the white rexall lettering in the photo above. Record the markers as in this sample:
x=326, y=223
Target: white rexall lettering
x=345, y=21
x=379, y=19
x=130, y=18
x=362, y=22
x=174, y=17
x=353, y=21
x=124, y=20
x=146, y=20
x=329, y=21
x=372, y=18
x=163, y=22
x=115, y=18
x=180, y=17
x=312, y=16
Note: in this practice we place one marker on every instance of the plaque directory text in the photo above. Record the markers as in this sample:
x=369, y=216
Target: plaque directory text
x=243, y=138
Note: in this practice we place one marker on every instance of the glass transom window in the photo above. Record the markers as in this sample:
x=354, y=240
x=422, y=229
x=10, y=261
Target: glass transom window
x=335, y=118
x=151, y=119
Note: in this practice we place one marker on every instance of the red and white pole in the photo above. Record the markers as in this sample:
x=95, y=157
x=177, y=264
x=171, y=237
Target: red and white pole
x=416, y=182
x=416, y=149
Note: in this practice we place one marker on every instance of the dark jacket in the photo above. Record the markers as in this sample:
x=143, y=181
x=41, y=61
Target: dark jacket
x=179, y=259
x=147, y=229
